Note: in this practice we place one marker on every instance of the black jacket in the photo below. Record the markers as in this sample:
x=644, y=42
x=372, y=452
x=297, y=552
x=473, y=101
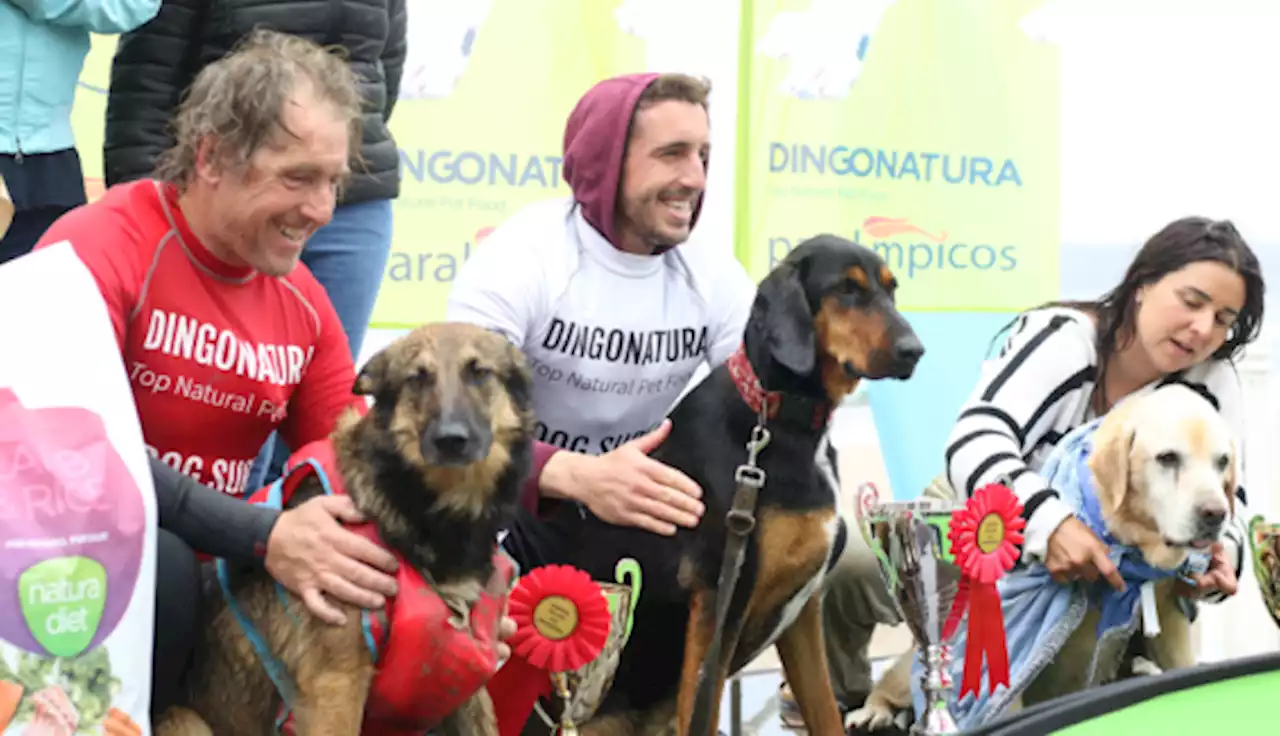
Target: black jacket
x=156, y=63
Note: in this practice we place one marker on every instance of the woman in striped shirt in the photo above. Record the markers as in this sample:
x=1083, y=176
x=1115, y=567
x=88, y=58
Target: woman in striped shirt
x=1190, y=301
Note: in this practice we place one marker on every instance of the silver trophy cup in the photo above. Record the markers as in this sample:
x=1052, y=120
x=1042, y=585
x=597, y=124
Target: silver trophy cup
x=910, y=539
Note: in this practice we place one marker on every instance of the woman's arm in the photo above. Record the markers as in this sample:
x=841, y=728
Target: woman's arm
x=1046, y=367
x=210, y=521
x=96, y=16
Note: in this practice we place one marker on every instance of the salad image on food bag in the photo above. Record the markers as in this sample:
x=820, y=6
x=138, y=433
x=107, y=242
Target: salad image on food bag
x=77, y=526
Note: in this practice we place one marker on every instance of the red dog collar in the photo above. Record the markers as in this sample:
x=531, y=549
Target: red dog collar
x=775, y=405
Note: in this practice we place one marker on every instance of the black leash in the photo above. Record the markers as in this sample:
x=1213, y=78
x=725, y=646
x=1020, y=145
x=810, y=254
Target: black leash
x=739, y=523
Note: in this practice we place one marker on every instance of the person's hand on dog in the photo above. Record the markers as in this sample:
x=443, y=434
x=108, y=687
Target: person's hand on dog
x=506, y=630
x=1075, y=552
x=626, y=487
x=1220, y=577
x=309, y=553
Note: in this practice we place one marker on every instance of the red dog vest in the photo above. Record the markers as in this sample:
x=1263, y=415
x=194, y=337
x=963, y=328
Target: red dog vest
x=426, y=668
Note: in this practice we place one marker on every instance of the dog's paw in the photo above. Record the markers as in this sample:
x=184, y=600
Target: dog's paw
x=874, y=716
x=1141, y=666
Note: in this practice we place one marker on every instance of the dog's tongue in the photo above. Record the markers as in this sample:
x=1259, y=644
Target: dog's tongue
x=1202, y=543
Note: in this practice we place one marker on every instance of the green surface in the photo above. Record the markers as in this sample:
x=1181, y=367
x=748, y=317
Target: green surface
x=1237, y=705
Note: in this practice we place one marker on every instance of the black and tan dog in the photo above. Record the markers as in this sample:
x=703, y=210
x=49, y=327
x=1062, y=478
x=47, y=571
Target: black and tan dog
x=823, y=320
x=436, y=465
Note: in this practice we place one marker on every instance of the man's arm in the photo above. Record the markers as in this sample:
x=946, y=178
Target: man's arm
x=97, y=16
x=149, y=73
x=210, y=521
x=500, y=287
x=505, y=286
x=304, y=548
x=326, y=388
x=393, y=53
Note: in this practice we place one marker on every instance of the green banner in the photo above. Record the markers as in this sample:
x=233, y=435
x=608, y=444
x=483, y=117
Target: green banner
x=926, y=130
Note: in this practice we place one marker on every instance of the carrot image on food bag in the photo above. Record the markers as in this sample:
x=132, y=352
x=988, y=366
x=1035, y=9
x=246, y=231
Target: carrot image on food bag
x=10, y=698
x=118, y=723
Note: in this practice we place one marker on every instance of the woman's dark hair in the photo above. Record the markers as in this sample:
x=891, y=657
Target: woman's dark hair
x=1181, y=243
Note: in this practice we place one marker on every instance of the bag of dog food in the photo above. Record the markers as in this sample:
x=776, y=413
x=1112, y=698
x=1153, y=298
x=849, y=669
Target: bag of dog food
x=77, y=511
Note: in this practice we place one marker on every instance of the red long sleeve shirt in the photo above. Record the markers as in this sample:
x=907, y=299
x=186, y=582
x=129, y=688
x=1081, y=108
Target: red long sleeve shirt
x=217, y=356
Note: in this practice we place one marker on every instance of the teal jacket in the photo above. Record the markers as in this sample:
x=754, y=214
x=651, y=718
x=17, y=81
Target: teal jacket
x=42, y=48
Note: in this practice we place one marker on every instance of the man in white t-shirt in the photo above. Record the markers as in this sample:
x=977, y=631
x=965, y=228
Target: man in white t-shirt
x=613, y=310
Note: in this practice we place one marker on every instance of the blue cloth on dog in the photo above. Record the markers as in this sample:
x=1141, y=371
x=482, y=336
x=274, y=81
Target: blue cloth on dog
x=1115, y=607
x=1039, y=613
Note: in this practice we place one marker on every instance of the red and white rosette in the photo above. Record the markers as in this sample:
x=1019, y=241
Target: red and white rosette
x=984, y=535
x=562, y=623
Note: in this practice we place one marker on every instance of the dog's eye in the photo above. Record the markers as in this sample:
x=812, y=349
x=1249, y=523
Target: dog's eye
x=1221, y=462
x=422, y=375
x=478, y=372
x=853, y=294
x=1168, y=459
x=849, y=286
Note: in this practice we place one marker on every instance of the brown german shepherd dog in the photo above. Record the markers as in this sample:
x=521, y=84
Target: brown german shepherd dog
x=436, y=465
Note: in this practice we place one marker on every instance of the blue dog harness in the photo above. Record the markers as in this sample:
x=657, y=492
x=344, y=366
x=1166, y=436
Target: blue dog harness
x=285, y=686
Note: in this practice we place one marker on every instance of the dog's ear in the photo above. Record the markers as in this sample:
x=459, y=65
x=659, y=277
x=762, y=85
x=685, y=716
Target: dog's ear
x=783, y=309
x=518, y=379
x=374, y=375
x=1109, y=461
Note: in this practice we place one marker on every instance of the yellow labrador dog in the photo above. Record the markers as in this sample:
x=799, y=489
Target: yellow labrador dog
x=1164, y=472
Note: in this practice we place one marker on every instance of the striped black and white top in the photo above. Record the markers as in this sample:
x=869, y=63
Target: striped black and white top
x=1038, y=389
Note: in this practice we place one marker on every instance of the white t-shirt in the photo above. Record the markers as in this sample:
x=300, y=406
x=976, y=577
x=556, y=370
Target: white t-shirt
x=612, y=337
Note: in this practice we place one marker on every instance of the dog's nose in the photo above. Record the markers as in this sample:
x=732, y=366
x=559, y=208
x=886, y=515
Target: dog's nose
x=1211, y=517
x=908, y=349
x=451, y=439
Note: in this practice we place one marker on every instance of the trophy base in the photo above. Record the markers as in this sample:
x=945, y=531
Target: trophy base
x=936, y=683
x=936, y=721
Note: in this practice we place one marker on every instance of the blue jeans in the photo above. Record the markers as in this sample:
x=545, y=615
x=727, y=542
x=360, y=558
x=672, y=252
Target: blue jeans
x=348, y=257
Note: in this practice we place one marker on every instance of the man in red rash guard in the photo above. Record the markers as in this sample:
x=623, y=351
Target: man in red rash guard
x=226, y=337
x=218, y=355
